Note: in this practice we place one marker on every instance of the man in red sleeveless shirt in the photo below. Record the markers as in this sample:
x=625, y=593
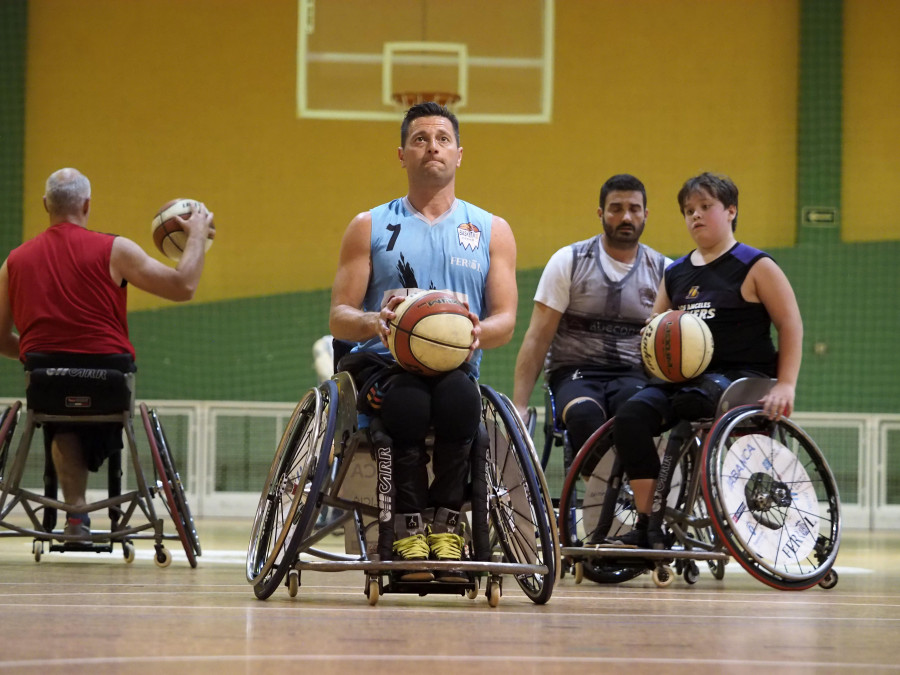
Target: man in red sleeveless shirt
x=65, y=292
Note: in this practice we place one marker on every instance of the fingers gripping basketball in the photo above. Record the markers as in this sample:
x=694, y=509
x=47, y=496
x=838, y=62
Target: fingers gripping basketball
x=431, y=333
x=168, y=234
x=676, y=346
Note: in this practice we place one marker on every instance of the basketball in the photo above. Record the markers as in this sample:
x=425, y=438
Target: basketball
x=676, y=346
x=431, y=333
x=168, y=235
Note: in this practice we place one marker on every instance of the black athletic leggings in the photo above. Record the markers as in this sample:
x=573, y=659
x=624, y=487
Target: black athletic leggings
x=450, y=404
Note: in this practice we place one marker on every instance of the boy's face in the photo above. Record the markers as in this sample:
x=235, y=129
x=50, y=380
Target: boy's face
x=707, y=219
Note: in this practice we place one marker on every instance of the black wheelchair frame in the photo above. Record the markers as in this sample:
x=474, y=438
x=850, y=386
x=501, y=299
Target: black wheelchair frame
x=316, y=471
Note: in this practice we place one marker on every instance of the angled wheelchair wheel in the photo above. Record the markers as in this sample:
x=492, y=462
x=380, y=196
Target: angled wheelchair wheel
x=773, y=498
x=518, y=514
x=599, y=505
x=289, y=502
x=7, y=428
x=527, y=434
x=175, y=500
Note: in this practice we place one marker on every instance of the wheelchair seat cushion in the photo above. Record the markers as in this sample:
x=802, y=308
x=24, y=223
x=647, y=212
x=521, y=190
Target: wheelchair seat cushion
x=78, y=384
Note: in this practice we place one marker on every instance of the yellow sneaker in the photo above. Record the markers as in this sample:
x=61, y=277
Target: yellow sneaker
x=445, y=543
x=412, y=547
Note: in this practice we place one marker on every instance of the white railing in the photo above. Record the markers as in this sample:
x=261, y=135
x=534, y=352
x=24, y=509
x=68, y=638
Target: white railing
x=224, y=449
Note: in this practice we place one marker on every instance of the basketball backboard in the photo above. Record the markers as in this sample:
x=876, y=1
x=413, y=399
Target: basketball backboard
x=356, y=59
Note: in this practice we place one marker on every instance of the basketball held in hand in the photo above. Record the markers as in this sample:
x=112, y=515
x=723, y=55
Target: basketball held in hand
x=431, y=333
x=168, y=235
x=676, y=346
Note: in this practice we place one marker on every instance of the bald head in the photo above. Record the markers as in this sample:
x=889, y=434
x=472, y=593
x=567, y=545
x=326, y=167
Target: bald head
x=67, y=195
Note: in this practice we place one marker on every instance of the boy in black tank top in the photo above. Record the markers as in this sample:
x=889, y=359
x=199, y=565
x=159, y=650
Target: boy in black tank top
x=740, y=292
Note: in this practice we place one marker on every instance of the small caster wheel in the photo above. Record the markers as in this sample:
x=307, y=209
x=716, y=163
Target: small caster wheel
x=162, y=558
x=829, y=580
x=293, y=583
x=493, y=593
x=128, y=552
x=372, y=591
x=472, y=593
x=579, y=572
x=663, y=576
x=717, y=567
x=37, y=548
x=691, y=572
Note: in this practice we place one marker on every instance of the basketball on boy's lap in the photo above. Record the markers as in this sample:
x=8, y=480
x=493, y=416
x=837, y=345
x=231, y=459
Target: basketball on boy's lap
x=676, y=346
x=431, y=333
x=168, y=234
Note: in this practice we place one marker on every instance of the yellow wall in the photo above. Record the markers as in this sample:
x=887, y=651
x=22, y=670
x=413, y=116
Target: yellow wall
x=158, y=99
x=870, y=192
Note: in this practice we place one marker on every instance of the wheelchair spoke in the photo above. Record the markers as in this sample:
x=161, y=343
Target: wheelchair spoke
x=775, y=496
x=518, y=514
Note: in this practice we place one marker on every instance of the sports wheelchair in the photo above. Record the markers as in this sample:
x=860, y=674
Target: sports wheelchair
x=738, y=486
x=324, y=462
x=83, y=394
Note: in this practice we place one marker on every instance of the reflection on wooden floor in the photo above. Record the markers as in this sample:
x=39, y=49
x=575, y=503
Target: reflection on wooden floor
x=94, y=613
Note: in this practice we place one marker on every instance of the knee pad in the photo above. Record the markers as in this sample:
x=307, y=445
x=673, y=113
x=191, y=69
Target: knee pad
x=582, y=418
x=636, y=426
x=699, y=400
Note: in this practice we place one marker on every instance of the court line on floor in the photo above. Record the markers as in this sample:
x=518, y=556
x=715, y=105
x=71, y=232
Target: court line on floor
x=467, y=610
x=422, y=658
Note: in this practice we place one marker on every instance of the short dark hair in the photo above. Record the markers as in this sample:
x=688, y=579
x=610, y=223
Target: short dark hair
x=427, y=109
x=720, y=186
x=623, y=182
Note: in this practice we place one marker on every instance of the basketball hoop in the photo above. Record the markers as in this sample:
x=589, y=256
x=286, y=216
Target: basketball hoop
x=407, y=99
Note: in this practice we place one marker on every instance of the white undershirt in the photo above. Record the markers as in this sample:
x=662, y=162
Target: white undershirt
x=615, y=269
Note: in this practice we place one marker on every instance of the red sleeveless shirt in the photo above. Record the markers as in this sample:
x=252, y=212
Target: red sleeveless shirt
x=62, y=294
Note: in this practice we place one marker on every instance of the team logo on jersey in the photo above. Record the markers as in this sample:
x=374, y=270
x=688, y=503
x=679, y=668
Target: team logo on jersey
x=694, y=292
x=469, y=235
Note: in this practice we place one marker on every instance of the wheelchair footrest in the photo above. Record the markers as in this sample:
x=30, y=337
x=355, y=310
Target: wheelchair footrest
x=620, y=552
x=81, y=547
x=468, y=566
x=428, y=587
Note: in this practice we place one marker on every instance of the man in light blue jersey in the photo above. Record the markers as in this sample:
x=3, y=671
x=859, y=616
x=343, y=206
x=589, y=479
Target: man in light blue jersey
x=590, y=305
x=426, y=240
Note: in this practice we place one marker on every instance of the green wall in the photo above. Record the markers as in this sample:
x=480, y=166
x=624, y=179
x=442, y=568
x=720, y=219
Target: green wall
x=233, y=346
x=13, y=34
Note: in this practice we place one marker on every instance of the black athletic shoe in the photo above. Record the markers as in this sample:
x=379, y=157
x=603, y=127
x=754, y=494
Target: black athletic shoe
x=634, y=538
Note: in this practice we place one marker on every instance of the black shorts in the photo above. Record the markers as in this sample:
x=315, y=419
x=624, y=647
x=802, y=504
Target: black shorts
x=98, y=441
x=610, y=389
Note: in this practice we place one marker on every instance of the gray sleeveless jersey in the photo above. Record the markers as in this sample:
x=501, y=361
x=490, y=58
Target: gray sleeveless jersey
x=601, y=324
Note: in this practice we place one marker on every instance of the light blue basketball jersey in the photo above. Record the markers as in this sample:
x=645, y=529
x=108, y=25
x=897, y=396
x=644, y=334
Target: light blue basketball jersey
x=411, y=255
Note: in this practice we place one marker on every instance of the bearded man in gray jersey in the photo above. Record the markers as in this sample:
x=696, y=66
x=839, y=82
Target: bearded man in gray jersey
x=591, y=303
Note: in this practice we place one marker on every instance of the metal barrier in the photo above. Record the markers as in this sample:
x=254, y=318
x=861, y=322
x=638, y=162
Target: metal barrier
x=224, y=449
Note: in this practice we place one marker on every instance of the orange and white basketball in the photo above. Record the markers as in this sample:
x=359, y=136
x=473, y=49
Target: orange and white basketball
x=676, y=346
x=431, y=333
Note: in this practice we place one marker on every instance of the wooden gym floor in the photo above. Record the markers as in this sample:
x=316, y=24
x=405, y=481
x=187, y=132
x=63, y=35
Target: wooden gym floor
x=79, y=613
